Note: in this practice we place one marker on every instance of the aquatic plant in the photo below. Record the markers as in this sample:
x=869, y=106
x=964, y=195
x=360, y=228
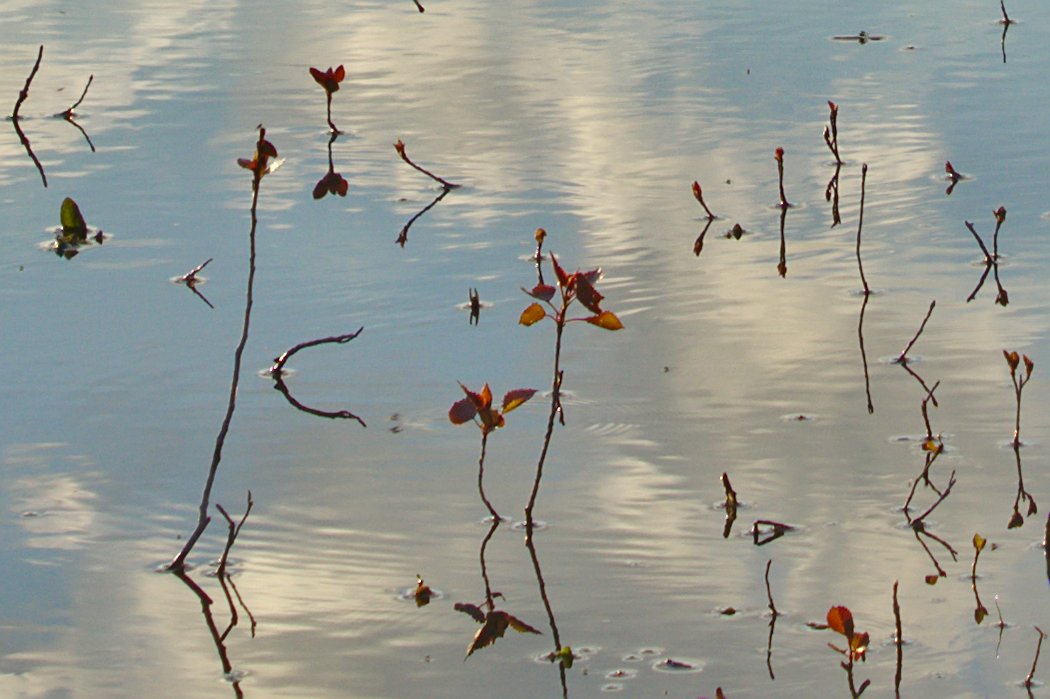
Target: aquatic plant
x=578, y=286
x=477, y=408
x=329, y=80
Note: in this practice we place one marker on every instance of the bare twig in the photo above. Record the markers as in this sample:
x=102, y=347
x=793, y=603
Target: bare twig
x=898, y=640
x=1038, y=647
x=402, y=237
x=902, y=358
x=1006, y=18
x=860, y=224
x=234, y=530
x=779, y=157
x=947, y=491
x=281, y=386
x=203, y=518
x=988, y=257
x=68, y=113
x=191, y=276
x=23, y=94
x=772, y=623
x=400, y=148
x=280, y=361
x=864, y=354
x=421, y=8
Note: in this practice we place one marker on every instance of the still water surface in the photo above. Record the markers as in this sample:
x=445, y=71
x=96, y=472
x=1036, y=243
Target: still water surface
x=590, y=120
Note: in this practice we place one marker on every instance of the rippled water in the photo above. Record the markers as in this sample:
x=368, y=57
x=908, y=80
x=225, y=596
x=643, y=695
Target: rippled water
x=592, y=121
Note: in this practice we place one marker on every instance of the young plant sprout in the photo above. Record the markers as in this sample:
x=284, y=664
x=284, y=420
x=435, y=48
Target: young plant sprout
x=477, y=408
x=1019, y=383
x=329, y=80
x=831, y=135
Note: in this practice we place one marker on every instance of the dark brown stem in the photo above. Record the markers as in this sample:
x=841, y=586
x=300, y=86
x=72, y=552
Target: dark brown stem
x=335, y=130
x=281, y=386
x=784, y=203
x=1038, y=647
x=490, y=604
x=420, y=7
x=898, y=640
x=209, y=620
x=555, y=411
x=400, y=148
x=68, y=114
x=1006, y=18
x=831, y=193
x=279, y=362
x=782, y=267
x=23, y=94
x=179, y=562
x=988, y=257
x=555, y=635
x=481, y=476
x=902, y=358
x=925, y=412
x=402, y=237
x=940, y=499
x=860, y=225
x=698, y=244
x=234, y=530
x=772, y=623
x=863, y=354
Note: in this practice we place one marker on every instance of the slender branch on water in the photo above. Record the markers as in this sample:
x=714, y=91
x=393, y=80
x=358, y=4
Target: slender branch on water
x=481, y=476
x=1039, y=646
x=279, y=362
x=898, y=640
x=863, y=354
x=555, y=411
x=22, y=96
x=68, y=113
x=203, y=519
x=987, y=255
x=860, y=225
x=772, y=623
x=234, y=530
x=902, y=358
x=400, y=148
x=531, y=546
x=402, y=237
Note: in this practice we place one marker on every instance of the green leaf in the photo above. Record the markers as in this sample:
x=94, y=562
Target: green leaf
x=72, y=220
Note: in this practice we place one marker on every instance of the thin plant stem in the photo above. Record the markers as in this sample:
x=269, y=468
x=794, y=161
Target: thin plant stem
x=860, y=225
x=481, y=476
x=902, y=358
x=179, y=562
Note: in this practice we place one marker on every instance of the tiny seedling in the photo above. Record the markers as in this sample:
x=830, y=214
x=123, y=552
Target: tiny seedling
x=329, y=80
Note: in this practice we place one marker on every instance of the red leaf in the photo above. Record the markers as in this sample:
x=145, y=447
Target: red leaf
x=563, y=279
x=607, y=320
x=318, y=76
x=697, y=191
x=495, y=626
x=543, y=292
x=840, y=619
x=340, y=73
x=476, y=398
x=592, y=275
x=473, y=610
x=587, y=294
x=514, y=398
x=462, y=410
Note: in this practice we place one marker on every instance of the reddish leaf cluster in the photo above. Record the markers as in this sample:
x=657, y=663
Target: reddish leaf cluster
x=576, y=286
x=329, y=79
x=478, y=407
x=493, y=625
x=840, y=620
x=332, y=183
x=260, y=162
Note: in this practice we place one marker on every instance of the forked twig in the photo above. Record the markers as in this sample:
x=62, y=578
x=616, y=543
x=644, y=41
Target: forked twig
x=234, y=530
